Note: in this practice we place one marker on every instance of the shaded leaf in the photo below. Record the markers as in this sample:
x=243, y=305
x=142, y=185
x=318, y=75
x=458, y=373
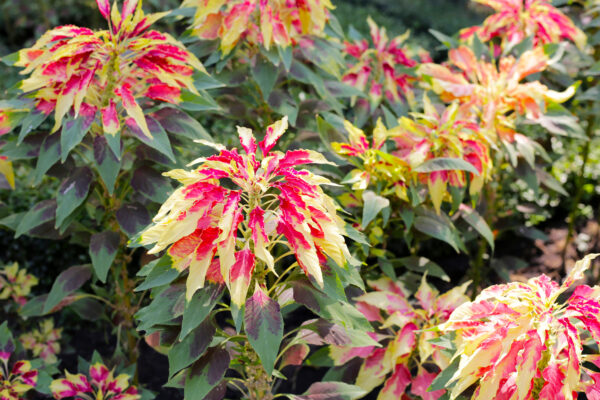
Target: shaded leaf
x=151, y=184
x=132, y=218
x=103, y=249
x=198, y=308
x=42, y=212
x=446, y=164
x=179, y=123
x=107, y=163
x=478, y=223
x=72, y=193
x=66, y=283
x=264, y=326
x=191, y=348
x=373, y=205
x=206, y=373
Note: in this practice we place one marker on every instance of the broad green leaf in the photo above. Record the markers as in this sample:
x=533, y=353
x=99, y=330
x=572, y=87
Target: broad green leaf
x=42, y=212
x=152, y=184
x=72, y=193
x=162, y=273
x=29, y=123
x=264, y=326
x=199, y=307
x=206, y=373
x=103, y=249
x=163, y=308
x=340, y=89
x=66, y=283
x=373, y=205
x=179, y=123
x=74, y=130
x=265, y=74
x=203, y=81
x=159, y=140
x=423, y=265
x=478, y=223
x=441, y=381
x=331, y=391
x=198, y=102
x=342, y=313
x=444, y=39
x=132, y=218
x=437, y=228
x=107, y=164
x=184, y=353
x=446, y=163
x=49, y=155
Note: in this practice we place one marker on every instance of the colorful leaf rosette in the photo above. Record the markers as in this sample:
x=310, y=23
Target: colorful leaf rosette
x=515, y=20
x=494, y=93
x=16, y=283
x=519, y=340
x=76, y=72
x=43, y=342
x=234, y=208
x=99, y=384
x=18, y=377
x=265, y=22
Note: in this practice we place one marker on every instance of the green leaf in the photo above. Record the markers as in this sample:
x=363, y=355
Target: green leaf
x=356, y=235
x=203, y=81
x=265, y=74
x=441, y=381
x=73, y=132
x=42, y=212
x=49, y=155
x=107, y=163
x=103, y=249
x=31, y=122
x=373, y=205
x=437, y=228
x=152, y=184
x=184, y=353
x=159, y=140
x=331, y=391
x=423, y=265
x=162, y=273
x=132, y=218
x=478, y=223
x=198, y=102
x=341, y=89
x=163, y=308
x=264, y=326
x=339, y=312
x=199, y=307
x=66, y=283
x=72, y=193
x=444, y=39
x=180, y=123
x=206, y=373
x=446, y=163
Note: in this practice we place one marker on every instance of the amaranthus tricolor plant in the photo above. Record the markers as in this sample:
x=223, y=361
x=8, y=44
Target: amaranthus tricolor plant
x=404, y=330
x=43, y=342
x=16, y=377
x=235, y=220
x=520, y=340
x=102, y=384
x=515, y=20
x=16, y=283
x=265, y=22
x=495, y=93
x=79, y=70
